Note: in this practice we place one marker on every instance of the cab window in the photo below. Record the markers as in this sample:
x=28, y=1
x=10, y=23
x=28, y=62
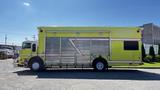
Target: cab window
x=33, y=47
x=26, y=45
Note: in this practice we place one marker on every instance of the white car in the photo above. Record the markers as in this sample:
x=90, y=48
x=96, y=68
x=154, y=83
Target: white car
x=8, y=51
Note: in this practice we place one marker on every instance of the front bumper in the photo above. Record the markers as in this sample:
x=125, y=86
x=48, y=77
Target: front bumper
x=16, y=63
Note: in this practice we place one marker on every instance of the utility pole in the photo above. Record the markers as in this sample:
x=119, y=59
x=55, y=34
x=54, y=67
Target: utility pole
x=6, y=39
x=34, y=38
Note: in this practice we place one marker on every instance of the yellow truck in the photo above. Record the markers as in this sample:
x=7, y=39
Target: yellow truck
x=82, y=47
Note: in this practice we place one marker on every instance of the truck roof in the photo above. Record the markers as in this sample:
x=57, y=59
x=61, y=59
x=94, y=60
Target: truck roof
x=28, y=41
x=87, y=28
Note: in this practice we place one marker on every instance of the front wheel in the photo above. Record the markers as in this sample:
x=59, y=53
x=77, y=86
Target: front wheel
x=36, y=65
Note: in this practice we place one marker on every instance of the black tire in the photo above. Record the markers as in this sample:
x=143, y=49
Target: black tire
x=100, y=64
x=36, y=64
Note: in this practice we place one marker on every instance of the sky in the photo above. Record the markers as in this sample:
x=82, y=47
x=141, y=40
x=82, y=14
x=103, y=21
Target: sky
x=19, y=19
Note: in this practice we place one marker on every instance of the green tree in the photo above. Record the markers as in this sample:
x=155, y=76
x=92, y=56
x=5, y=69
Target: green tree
x=152, y=53
x=158, y=49
x=143, y=52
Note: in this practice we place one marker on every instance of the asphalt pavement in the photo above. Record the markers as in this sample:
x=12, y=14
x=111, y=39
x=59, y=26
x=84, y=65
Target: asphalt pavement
x=13, y=78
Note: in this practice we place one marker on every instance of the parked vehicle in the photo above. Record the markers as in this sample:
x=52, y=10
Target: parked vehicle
x=82, y=47
x=6, y=51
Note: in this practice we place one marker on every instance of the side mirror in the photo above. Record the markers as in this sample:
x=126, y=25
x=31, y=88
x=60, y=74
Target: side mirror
x=33, y=47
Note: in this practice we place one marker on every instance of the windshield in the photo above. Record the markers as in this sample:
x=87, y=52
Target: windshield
x=26, y=45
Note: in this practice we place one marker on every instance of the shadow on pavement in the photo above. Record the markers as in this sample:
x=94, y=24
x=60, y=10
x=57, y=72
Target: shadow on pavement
x=90, y=74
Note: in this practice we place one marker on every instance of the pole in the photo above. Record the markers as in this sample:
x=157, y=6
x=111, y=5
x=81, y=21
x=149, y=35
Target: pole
x=34, y=37
x=5, y=39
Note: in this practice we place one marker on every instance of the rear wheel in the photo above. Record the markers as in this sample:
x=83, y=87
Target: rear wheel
x=100, y=65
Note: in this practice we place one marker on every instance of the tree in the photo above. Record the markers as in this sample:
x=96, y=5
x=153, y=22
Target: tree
x=158, y=49
x=152, y=52
x=143, y=52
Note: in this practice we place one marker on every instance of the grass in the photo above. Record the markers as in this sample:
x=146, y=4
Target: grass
x=154, y=64
x=145, y=65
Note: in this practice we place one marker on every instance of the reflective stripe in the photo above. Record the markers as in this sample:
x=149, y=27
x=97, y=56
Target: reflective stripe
x=127, y=39
x=89, y=39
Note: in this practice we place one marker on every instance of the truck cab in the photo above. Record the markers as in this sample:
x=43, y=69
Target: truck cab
x=29, y=49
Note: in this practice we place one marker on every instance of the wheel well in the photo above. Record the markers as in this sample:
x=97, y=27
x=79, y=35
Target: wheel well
x=99, y=59
x=35, y=58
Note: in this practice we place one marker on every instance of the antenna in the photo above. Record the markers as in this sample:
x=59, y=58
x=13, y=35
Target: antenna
x=26, y=39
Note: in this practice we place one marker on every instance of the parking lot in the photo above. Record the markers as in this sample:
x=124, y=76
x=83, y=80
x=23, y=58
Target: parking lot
x=12, y=78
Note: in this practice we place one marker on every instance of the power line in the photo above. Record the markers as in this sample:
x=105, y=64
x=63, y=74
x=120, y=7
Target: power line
x=13, y=33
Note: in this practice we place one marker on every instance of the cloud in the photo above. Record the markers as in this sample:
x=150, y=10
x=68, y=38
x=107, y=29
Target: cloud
x=26, y=4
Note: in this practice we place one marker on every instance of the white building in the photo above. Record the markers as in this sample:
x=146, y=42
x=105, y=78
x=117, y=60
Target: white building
x=151, y=37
